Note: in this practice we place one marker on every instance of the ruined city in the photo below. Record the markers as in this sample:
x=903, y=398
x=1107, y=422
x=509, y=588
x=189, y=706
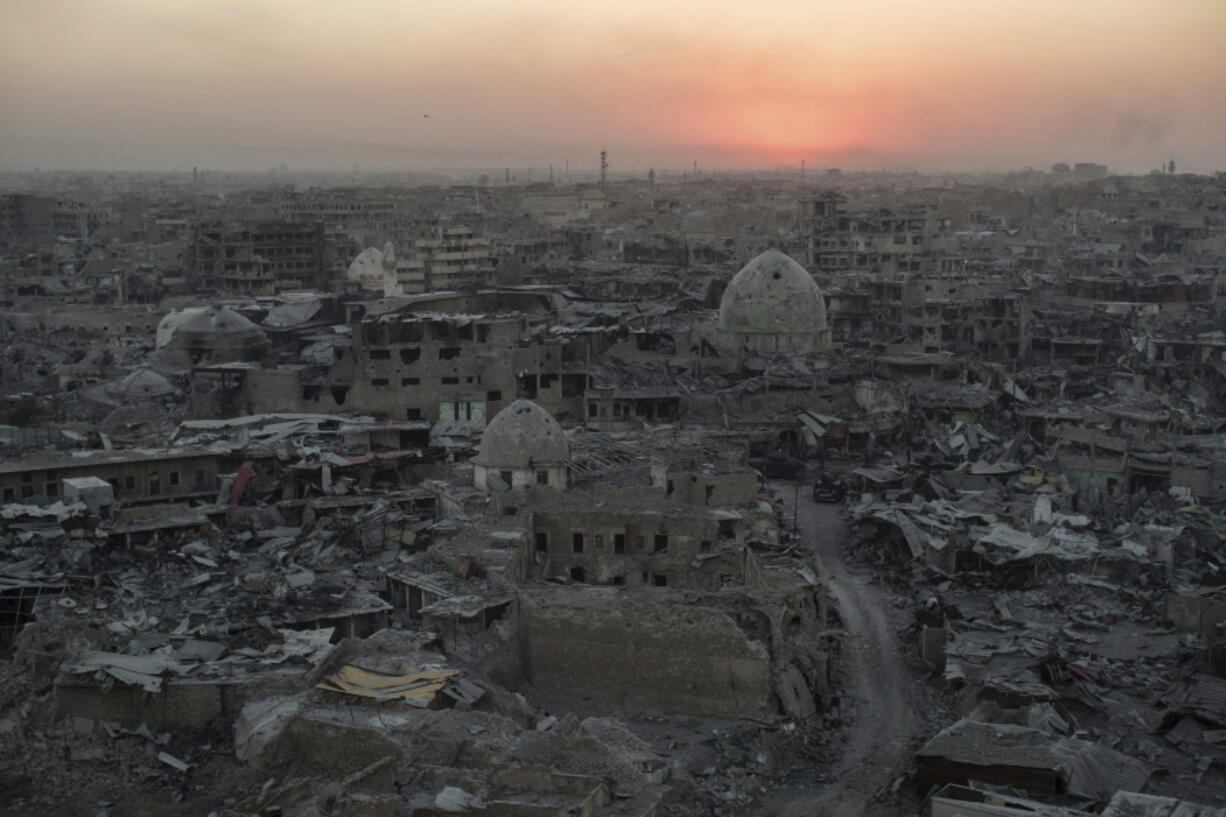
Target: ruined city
x=601, y=487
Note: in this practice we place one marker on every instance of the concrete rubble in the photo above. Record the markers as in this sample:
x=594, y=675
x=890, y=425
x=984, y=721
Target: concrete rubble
x=335, y=500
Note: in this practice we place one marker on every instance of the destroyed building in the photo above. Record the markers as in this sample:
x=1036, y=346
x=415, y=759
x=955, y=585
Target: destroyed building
x=525, y=498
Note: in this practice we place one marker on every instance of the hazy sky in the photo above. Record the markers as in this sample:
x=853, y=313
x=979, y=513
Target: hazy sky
x=960, y=84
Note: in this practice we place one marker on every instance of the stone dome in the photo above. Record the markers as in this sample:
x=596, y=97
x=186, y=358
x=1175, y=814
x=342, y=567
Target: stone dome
x=140, y=385
x=218, y=334
x=217, y=320
x=773, y=298
x=520, y=434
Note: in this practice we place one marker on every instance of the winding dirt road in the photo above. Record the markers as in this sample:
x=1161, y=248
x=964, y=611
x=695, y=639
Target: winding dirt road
x=877, y=683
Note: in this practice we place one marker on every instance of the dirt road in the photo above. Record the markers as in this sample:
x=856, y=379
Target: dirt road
x=877, y=688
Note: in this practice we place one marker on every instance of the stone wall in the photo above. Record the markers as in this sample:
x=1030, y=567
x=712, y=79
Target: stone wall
x=180, y=706
x=640, y=652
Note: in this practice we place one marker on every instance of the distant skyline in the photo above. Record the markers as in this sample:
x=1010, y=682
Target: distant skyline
x=939, y=85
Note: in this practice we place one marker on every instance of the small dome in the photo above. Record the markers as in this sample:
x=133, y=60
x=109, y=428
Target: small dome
x=773, y=294
x=141, y=384
x=368, y=269
x=522, y=435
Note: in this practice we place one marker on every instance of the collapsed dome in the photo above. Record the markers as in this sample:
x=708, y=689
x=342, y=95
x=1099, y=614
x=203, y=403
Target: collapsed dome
x=369, y=268
x=172, y=321
x=523, y=435
x=220, y=334
x=141, y=384
x=773, y=304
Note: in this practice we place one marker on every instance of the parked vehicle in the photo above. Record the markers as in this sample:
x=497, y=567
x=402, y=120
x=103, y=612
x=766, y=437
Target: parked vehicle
x=778, y=466
x=829, y=488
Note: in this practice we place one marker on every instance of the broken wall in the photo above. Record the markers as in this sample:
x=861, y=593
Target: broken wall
x=659, y=655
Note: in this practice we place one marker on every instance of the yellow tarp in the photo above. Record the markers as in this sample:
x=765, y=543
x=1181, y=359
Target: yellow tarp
x=1038, y=478
x=402, y=535
x=421, y=686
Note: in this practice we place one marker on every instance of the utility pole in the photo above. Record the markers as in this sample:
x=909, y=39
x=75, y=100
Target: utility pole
x=796, y=509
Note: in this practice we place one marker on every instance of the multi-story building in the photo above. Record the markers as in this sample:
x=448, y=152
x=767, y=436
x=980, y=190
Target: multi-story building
x=26, y=219
x=262, y=259
x=880, y=240
x=456, y=256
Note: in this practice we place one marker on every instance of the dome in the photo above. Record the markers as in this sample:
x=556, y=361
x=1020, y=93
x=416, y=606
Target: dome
x=141, y=384
x=172, y=321
x=368, y=268
x=217, y=320
x=775, y=297
x=218, y=334
x=522, y=435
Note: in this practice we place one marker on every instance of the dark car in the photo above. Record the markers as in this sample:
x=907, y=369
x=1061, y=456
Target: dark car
x=778, y=466
x=829, y=488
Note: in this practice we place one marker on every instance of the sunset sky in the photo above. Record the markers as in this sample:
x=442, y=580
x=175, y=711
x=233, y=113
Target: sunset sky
x=938, y=84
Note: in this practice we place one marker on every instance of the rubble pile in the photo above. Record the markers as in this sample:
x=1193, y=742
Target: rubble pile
x=884, y=495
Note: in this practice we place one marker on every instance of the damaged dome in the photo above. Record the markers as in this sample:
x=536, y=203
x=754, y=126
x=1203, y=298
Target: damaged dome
x=218, y=334
x=373, y=268
x=773, y=304
x=522, y=435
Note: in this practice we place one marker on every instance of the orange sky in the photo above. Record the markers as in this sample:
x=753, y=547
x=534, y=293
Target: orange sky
x=959, y=84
